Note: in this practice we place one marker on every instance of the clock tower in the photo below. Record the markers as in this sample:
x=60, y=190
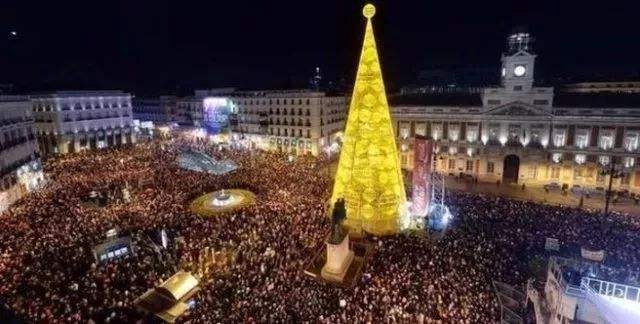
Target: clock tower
x=518, y=63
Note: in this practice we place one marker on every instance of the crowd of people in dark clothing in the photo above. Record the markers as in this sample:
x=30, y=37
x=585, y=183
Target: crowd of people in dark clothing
x=48, y=273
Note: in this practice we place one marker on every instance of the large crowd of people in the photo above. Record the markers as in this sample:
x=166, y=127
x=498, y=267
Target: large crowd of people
x=48, y=273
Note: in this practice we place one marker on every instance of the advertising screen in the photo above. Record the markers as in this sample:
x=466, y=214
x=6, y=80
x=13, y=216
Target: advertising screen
x=216, y=114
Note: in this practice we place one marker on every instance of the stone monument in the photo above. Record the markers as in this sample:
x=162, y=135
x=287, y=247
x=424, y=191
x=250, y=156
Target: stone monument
x=339, y=256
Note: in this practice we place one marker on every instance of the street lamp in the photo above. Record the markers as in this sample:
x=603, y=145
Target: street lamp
x=612, y=172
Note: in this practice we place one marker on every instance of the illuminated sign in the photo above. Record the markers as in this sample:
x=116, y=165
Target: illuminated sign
x=216, y=112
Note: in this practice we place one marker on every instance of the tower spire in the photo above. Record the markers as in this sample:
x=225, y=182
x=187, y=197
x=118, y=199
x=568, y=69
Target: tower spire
x=368, y=175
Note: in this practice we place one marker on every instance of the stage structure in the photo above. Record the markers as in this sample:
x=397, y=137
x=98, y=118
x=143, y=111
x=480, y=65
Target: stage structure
x=369, y=176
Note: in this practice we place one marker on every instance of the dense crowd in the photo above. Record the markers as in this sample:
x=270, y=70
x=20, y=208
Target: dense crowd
x=48, y=273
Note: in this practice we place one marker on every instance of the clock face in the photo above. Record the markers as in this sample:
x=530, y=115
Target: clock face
x=519, y=70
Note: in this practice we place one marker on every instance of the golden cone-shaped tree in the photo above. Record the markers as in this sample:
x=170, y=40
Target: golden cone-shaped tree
x=369, y=176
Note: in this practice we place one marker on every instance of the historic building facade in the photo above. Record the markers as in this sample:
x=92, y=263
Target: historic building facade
x=20, y=167
x=160, y=110
x=293, y=121
x=519, y=133
x=71, y=121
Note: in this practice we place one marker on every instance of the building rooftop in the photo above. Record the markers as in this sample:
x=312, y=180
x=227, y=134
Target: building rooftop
x=80, y=93
x=453, y=99
x=596, y=100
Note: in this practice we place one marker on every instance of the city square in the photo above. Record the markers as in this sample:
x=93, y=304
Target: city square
x=507, y=203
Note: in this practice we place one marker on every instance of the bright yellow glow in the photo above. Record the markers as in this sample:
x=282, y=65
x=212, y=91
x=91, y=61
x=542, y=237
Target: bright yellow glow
x=369, y=176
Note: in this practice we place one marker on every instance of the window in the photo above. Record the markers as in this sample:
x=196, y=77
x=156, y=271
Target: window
x=452, y=164
x=490, y=167
x=517, y=88
x=469, y=165
x=555, y=173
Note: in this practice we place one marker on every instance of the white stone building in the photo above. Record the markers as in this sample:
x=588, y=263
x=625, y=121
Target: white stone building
x=292, y=121
x=20, y=167
x=71, y=121
x=160, y=110
x=525, y=134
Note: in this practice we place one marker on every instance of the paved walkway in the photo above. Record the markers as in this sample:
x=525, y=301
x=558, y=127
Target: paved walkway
x=538, y=194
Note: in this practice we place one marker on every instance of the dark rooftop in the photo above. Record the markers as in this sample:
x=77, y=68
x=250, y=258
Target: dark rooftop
x=596, y=100
x=453, y=99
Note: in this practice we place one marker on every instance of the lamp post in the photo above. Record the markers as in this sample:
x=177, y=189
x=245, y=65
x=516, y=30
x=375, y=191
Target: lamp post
x=612, y=172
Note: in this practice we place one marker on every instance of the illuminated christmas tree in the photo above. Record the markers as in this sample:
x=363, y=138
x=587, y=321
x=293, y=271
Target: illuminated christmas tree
x=369, y=176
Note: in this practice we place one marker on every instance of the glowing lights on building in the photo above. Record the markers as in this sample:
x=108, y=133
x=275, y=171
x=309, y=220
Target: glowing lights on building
x=470, y=151
x=580, y=158
x=629, y=162
x=472, y=134
x=631, y=142
x=606, y=140
x=556, y=157
x=369, y=175
x=604, y=160
x=582, y=140
x=558, y=138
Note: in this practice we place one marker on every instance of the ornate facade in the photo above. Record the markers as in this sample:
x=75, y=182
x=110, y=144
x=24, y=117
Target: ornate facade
x=20, y=167
x=292, y=121
x=519, y=133
x=71, y=121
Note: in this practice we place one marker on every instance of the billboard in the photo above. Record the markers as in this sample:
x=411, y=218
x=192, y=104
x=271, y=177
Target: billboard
x=422, y=159
x=216, y=112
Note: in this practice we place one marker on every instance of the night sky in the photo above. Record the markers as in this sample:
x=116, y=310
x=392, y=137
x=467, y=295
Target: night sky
x=155, y=47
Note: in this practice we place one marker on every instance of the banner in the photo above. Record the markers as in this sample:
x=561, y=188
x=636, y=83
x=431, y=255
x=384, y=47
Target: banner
x=597, y=256
x=552, y=244
x=422, y=157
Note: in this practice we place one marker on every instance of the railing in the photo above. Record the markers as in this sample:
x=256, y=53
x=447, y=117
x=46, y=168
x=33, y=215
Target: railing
x=612, y=289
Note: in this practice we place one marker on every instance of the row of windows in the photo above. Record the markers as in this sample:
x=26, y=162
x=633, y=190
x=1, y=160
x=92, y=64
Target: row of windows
x=272, y=101
x=292, y=123
x=43, y=107
x=579, y=173
x=287, y=132
x=277, y=111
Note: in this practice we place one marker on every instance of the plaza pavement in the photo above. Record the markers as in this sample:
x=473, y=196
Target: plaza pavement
x=538, y=194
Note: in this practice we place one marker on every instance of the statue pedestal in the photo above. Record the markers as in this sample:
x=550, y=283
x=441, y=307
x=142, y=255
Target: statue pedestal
x=339, y=258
